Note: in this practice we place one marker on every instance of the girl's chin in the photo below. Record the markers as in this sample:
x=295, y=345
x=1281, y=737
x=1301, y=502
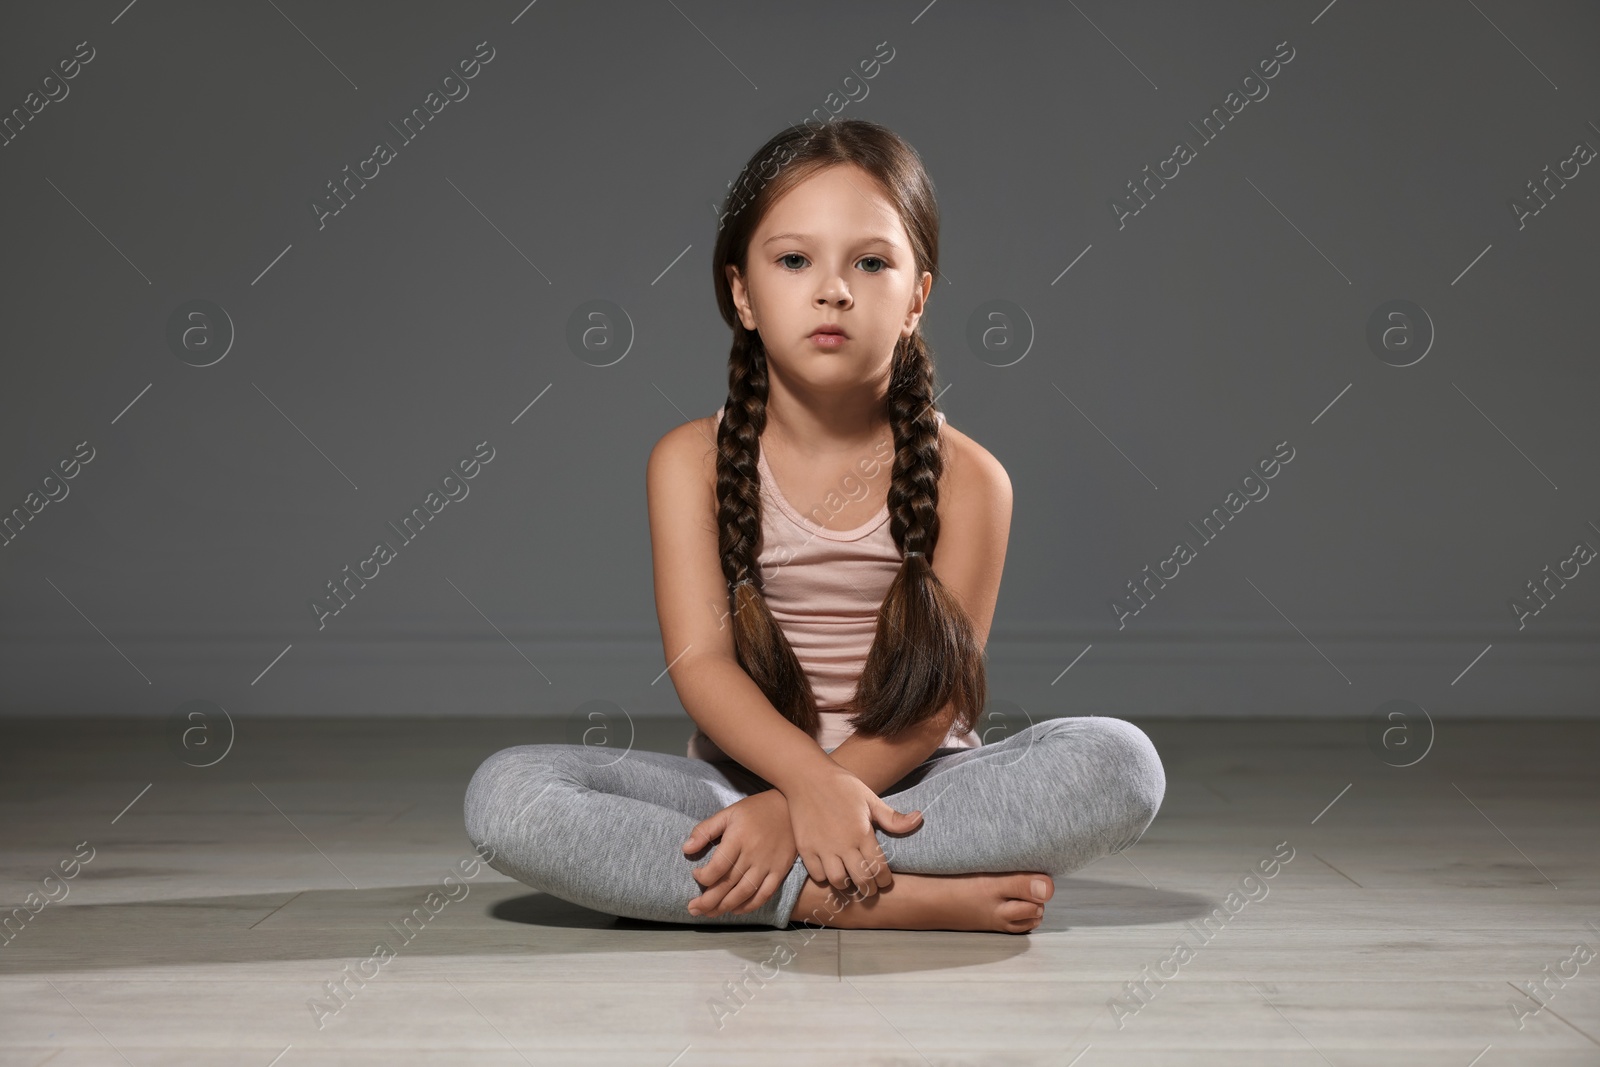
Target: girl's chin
x=810, y=352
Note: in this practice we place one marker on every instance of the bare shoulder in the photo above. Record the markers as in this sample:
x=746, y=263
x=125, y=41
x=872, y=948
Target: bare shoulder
x=690, y=590
x=973, y=475
x=974, y=527
x=686, y=435
x=686, y=454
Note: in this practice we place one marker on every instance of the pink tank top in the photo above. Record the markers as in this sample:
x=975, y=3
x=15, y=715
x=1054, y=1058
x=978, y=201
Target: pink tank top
x=824, y=588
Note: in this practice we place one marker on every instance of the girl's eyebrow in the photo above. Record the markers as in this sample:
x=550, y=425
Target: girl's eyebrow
x=873, y=239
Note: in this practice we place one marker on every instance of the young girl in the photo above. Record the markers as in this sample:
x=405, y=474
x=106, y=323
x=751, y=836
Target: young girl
x=831, y=657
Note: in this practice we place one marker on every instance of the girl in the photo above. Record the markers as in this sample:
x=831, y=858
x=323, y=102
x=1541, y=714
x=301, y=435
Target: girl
x=833, y=664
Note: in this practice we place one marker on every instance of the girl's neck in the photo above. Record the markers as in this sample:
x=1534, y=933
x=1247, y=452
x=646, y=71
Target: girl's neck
x=825, y=428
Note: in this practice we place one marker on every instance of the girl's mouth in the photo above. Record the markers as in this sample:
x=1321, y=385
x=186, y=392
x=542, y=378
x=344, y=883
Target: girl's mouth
x=829, y=335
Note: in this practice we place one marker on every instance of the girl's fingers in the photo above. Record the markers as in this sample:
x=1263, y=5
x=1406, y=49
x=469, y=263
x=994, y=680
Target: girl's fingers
x=711, y=899
x=878, y=868
x=814, y=866
x=705, y=832
x=769, y=885
x=741, y=891
x=838, y=877
x=719, y=865
x=864, y=876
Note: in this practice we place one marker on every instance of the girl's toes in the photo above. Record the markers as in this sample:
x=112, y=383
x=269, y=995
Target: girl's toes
x=1021, y=911
x=1035, y=887
x=1021, y=926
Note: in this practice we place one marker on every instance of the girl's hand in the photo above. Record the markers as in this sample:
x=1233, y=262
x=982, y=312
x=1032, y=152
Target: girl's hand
x=833, y=821
x=756, y=854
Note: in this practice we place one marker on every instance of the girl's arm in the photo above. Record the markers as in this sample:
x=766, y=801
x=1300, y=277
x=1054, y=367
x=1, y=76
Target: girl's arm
x=692, y=608
x=733, y=711
x=881, y=762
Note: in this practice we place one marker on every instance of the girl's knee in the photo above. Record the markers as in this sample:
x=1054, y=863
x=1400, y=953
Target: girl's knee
x=1121, y=755
x=1141, y=773
x=1141, y=761
x=504, y=786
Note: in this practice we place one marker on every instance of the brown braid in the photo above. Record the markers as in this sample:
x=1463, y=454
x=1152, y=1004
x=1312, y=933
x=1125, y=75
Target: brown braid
x=763, y=651
x=924, y=656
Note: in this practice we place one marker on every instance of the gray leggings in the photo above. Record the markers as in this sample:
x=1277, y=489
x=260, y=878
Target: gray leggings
x=605, y=829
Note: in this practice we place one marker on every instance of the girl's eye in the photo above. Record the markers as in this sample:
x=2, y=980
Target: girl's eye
x=785, y=260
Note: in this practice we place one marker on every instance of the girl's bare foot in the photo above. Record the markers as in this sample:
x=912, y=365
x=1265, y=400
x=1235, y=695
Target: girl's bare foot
x=1008, y=903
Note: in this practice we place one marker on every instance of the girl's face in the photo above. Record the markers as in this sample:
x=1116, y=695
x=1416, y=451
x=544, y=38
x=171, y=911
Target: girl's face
x=831, y=251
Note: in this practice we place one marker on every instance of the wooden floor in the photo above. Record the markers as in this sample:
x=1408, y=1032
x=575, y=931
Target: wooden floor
x=220, y=900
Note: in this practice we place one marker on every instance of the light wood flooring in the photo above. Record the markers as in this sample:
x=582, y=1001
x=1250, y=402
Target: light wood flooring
x=219, y=901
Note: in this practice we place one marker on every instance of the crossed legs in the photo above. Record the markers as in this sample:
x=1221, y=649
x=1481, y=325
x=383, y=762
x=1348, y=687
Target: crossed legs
x=604, y=830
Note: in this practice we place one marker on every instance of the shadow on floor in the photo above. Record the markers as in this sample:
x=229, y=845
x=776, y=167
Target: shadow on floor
x=324, y=924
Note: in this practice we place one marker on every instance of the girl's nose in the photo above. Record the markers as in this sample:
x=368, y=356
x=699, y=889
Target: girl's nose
x=834, y=293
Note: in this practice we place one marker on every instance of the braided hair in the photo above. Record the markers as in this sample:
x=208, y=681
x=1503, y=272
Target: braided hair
x=925, y=655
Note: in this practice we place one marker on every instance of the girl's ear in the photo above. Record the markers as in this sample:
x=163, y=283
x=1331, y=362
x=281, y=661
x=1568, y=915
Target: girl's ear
x=741, y=297
x=919, y=301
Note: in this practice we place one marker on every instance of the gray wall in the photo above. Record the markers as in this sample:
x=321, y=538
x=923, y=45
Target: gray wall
x=368, y=352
